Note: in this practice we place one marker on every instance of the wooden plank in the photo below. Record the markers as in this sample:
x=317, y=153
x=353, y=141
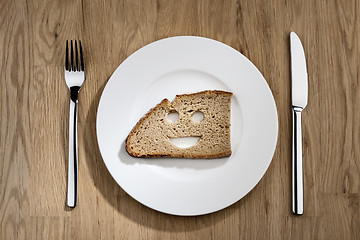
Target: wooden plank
x=15, y=136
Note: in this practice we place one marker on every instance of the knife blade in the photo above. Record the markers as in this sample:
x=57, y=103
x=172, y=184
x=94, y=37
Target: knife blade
x=299, y=94
x=298, y=72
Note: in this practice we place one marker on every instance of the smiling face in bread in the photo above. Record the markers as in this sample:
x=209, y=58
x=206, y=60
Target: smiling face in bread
x=203, y=116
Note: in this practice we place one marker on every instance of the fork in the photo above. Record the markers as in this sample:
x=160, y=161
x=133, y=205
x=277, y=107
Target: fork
x=74, y=77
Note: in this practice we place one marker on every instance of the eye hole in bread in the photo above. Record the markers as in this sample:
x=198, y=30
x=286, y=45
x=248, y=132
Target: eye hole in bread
x=172, y=116
x=197, y=116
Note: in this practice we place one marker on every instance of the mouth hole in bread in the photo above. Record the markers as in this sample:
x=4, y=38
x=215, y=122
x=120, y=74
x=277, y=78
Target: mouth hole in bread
x=172, y=116
x=184, y=142
x=197, y=116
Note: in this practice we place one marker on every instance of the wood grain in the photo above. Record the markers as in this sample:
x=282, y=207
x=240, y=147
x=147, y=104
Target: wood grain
x=34, y=114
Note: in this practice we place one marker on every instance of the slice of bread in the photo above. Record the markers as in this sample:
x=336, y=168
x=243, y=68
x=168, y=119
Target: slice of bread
x=151, y=135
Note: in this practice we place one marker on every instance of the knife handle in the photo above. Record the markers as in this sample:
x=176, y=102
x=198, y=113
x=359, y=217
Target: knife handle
x=297, y=164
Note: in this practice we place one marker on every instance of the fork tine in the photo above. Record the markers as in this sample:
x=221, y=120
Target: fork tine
x=72, y=67
x=76, y=57
x=67, y=56
x=82, y=64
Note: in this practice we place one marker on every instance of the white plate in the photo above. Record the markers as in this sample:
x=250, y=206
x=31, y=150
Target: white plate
x=180, y=65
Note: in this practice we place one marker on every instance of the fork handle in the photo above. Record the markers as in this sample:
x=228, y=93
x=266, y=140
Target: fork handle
x=73, y=151
x=297, y=164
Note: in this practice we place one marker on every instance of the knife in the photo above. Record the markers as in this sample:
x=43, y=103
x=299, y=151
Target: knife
x=299, y=94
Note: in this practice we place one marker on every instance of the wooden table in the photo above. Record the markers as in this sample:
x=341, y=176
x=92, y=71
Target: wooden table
x=34, y=117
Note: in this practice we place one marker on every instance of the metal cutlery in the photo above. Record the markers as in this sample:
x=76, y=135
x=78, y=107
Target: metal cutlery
x=299, y=85
x=74, y=77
